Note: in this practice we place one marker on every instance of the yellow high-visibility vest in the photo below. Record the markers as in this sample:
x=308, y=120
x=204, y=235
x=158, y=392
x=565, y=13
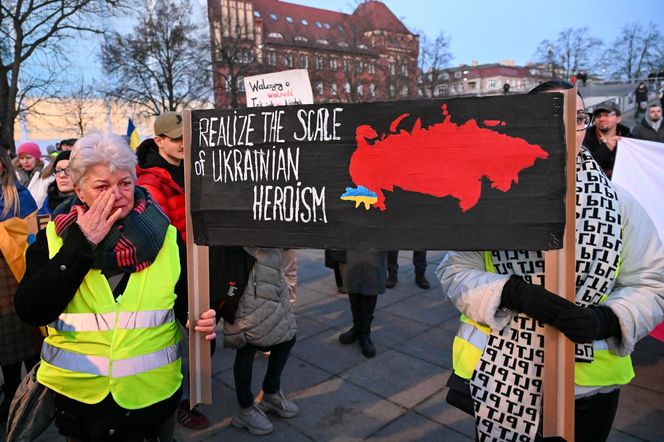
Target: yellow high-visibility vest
x=605, y=369
x=128, y=347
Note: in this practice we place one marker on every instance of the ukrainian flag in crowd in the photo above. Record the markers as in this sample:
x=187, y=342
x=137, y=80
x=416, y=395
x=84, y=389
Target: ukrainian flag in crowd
x=132, y=134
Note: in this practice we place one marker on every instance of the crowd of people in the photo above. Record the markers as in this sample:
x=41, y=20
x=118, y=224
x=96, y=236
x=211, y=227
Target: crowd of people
x=107, y=277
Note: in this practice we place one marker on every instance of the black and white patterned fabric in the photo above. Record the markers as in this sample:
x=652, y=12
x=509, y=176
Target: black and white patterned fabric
x=507, y=383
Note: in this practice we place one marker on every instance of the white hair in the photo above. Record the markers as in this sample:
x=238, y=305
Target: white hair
x=97, y=148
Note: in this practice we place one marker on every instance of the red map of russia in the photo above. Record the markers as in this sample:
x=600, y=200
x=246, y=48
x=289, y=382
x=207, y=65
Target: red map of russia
x=444, y=159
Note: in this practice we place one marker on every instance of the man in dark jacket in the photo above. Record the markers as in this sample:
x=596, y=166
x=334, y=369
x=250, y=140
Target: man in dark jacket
x=603, y=136
x=650, y=128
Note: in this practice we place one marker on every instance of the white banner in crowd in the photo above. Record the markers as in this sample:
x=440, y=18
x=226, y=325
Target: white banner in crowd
x=279, y=89
x=639, y=168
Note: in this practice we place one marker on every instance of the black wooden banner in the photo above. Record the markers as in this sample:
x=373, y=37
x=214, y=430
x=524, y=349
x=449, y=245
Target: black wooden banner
x=457, y=174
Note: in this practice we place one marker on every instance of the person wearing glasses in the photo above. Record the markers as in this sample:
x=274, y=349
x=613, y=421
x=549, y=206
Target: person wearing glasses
x=498, y=352
x=60, y=189
x=602, y=138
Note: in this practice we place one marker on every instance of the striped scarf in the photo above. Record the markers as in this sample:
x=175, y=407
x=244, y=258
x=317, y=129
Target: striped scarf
x=133, y=242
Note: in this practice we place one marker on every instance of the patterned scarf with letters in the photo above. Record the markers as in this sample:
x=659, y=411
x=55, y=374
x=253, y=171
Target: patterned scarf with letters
x=507, y=383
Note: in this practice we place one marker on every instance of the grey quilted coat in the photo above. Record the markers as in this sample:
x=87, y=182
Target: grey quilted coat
x=265, y=315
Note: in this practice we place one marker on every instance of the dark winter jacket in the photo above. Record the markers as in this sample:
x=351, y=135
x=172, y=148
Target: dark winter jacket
x=164, y=181
x=645, y=131
x=604, y=156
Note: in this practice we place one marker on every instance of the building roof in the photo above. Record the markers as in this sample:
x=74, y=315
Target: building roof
x=291, y=24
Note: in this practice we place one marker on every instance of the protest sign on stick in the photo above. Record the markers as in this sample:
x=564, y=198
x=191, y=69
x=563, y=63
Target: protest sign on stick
x=460, y=174
x=200, y=365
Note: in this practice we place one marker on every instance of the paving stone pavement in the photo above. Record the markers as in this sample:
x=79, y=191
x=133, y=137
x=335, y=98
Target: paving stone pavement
x=400, y=394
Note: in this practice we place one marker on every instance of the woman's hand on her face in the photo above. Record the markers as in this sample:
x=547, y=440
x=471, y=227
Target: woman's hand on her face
x=207, y=324
x=96, y=222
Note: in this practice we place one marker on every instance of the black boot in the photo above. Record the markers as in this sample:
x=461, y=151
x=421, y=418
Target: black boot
x=421, y=281
x=353, y=334
x=391, y=280
x=367, y=306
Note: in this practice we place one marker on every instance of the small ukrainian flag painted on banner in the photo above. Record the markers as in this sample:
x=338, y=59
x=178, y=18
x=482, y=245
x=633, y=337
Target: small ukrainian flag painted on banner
x=132, y=134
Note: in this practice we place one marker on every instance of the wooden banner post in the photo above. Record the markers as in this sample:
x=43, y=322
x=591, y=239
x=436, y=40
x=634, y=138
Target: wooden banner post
x=560, y=274
x=200, y=365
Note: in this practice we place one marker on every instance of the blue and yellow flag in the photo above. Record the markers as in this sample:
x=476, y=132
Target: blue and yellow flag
x=132, y=134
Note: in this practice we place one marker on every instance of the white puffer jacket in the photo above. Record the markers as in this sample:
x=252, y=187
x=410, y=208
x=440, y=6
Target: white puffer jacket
x=265, y=315
x=637, y=298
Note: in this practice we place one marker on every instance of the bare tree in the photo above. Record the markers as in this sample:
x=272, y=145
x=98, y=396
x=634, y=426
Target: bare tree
x=572, y=51
x=79, y=107
x=636, y=51
x=163, y=64
x=30, y=29
x=434, y=56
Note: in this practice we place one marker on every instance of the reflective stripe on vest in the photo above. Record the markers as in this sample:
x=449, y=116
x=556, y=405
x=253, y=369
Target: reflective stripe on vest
x=607, y=368
x=80, y=322
x=100, y=366
x=103, y=345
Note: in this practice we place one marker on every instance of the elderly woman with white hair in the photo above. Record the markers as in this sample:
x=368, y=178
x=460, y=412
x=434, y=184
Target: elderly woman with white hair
x=107, y=277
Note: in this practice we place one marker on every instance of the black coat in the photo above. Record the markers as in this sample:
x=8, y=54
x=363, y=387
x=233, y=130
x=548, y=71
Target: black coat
x=644, y=131
x=364, y=272
x=604, y=156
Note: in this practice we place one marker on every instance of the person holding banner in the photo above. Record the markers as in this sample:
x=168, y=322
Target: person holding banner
x=264, y=321
x=19, y=342
x=498, y=351
x=107, y=275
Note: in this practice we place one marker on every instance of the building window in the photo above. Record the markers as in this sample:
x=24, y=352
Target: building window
x=275, y=35
x=358, y=66
x=304, y=61
x=343, y=44
x=301, y=38
x=273, y=17
x=445, y=76
x=305, y=23
x=333, y=64
x=492, y=84
x=288, y=60
x=323, y=41
x=319, y=87
x=371, y=67
x=392, y=68
x=326, y=25
x=319, y=25
x=257, y=14
x=346, y=65
x=457, y=74
x=347, y=87
x=240, y=84
x=372, y=90
x=360, y=90
x=341, y=28
x=404, y=91
x=404, y=69
x=289, y=20
x=440, y=90
x=392, y=91
x=333, y=89
x=319, y=62
x=271, y=58
x=362, y=46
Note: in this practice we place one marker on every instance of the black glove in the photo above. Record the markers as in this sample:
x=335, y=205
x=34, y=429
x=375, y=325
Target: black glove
x=533, y=300
x=579, y=324
x=587, y=324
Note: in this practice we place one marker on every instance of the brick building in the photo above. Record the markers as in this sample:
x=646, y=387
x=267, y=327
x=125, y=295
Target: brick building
x=364, y=56
x=483, y=79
